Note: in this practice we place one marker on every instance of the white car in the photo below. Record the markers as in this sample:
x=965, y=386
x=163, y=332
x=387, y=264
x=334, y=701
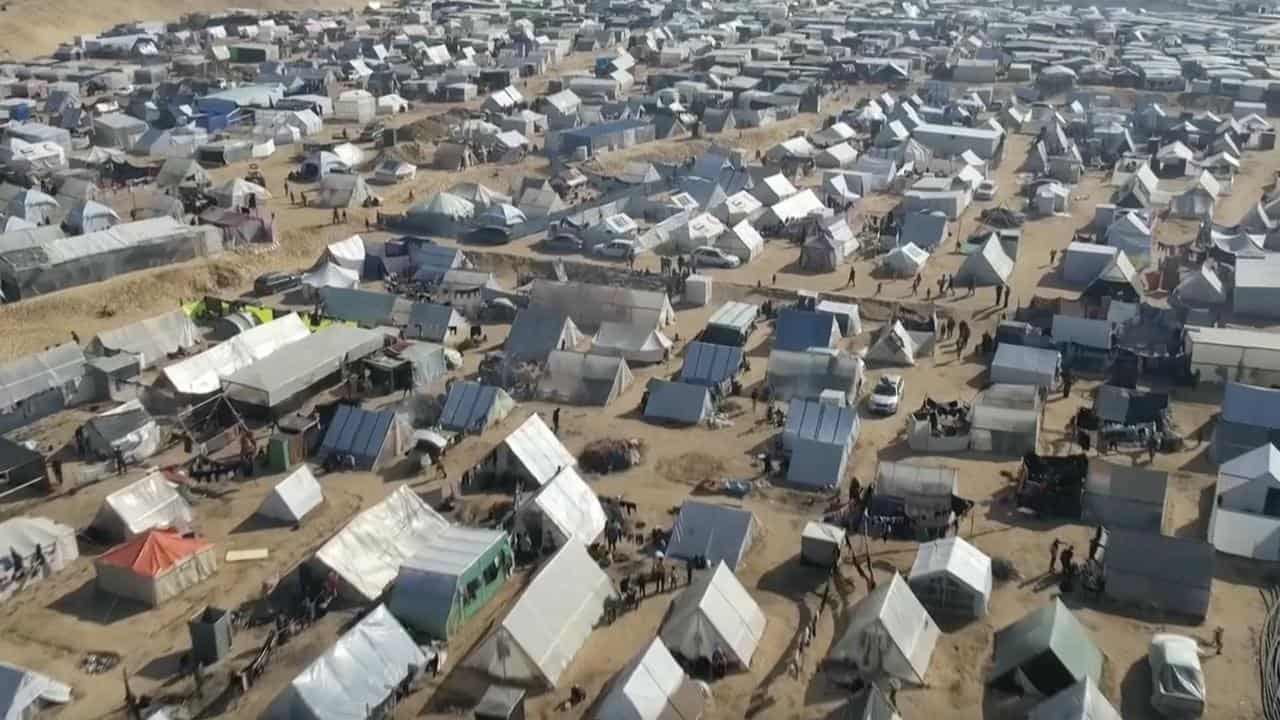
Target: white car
x=1177, y=681
x=886, y=396
x=616, y=249
x=707, y=256
x=986, y=191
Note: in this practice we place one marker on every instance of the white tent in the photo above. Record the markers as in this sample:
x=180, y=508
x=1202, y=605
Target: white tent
x=742, y=241
x=906, y=260
x=714, y=613
x=293, y=497
x=990, y=265
x=368, y=552
x=358, y=673
x=24, y=693
x=203, y=373
x=652, y=687
x=152, y=339
x=235, y=193
x=348, y=253
x=90, y=216
x=22, y=535
x=329, y=275
x=566, y=509
x=151, y=502
x=952, y=576
x=549, y=623
x=392, y=104
x=889, y=633
x=895, y=345
x=532, y=451
x=357, y=106
x=635, y=343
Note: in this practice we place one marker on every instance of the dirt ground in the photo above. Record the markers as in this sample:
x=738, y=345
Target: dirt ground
x=50, y=627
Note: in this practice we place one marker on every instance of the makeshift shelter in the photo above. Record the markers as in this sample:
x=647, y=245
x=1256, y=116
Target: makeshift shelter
x=90, y=216
x=830, y=247
x=1245, y=516
x=583, y=378
x=371, y=438
x=202, y=374
x=990, y=265
x=19, y=465
x=1222, y=355
x=329, y=275
x=564, y=510
x=819, y=437
x=1125, y=496
x=813, y=374
x=155, y=566
x=634, y=343
x=653, y=686
x=925, y=230
x=27, y=694
x=23, y=536
x=367, y=554
x=678, y=402
x=895, y=345
x=1026, y=365
x=182, y=173
x=342, y=191
x=713, y=613
x=921, y=494
x=889, y=633
x=714, y=533
x=470, y=407
x=1082, y=262
x=1250, y=418
x=355, y=676
x=1200, y=288
x=1006, y=419
x=293, y=497
x=1257, y=290
x=742, y=241
x=590, y=305
x=821, y=543
x=146, y=503
x=906, y=260
x=1118, y=280
x=1081, y=701
x=1045, y=652
x=1177, y=679
x=455, y=576
x=151, y=340
x=127, y=429
x=1152, y=570
x=870, y=704
x=546, y=627
x=33, y=206
x=847, y=316
x=237, y=193
x=952, y=577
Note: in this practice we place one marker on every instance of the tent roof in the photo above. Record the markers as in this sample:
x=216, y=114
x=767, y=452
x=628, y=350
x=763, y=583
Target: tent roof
x=202, y=374
x=710, y=364
x=716, y=532
x=903, y=620
x=715, y=604
x=653, y=687
x=1052, y=628
x=28, y=376
x=369, y=551
x=820, y=422
x=358, y=672
x=569, y=503
x=146, y=503
x=154, y=553
x=1081, y=701
x=20, y=689
x=1170, y=564
x=678, y=401
x=798, y=330
x=954, y=556
x=152, y=339
x=293, y=497
x=1249, y=404
x=1260, y=463
x=538, y=449
x=470, y=405
x=359, y=433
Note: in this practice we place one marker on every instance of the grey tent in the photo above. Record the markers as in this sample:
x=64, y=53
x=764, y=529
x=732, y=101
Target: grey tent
x=711, y=365
x=678, y=402
x=583, y=378
x=923, y=492
x=152, y=339
x=811, y=374
x=1006, y=419
x=1200, y=288
x=359, y=672
x=906, y=260
x=1082, y=701
x=472, y=407
x=1047, y=651
x=128, y=429
x=896, y=346
x=889, y=634
x=731, y=324
x=338, y=190
x=179, y=173
x=1125, y=496
x=714, y=533
x=819, y=438
x=990, y=265
x=870, y=704
x=1026, y=365
x=531, y=453
x=1151, y=570
x=800, y=330
x=653, y=686
x=293, y=497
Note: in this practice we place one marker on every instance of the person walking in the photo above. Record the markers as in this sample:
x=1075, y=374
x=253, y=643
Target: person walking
x=119, y=458
x=1053, y=554
x=555, y=421
x=1053, y=256
x=1153, y=444
x=999, y=291
x=853, y=277
x=1066, y=384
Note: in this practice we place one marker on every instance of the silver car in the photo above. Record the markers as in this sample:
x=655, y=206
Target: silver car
x=708, y=256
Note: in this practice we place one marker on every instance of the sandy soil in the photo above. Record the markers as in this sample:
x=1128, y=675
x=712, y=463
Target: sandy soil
x=50, y=627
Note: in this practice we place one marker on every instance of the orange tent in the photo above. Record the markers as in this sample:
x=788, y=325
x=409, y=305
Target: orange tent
x=155, y=566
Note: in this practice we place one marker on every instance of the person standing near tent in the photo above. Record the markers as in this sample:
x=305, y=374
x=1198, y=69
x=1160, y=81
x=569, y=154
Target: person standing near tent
x=555, y=421
x=999, y=292
x=119, y=458
x=1066, y=384
x=1053, y=554
x=853, y=277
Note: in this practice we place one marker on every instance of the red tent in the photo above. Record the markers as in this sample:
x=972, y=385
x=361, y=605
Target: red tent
x=155, y=566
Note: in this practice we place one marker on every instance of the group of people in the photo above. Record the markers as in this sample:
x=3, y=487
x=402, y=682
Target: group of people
x=949, y=328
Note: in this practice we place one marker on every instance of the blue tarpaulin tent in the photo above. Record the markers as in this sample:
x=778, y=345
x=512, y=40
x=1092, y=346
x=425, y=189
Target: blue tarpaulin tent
x=367, y=436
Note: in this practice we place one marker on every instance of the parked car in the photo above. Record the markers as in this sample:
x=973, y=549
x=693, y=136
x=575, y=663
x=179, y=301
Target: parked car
x=707, y=256
x=887, y=395
x=986, y=191
x=1177, y=681
x=616, y=249
x=562, y=242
